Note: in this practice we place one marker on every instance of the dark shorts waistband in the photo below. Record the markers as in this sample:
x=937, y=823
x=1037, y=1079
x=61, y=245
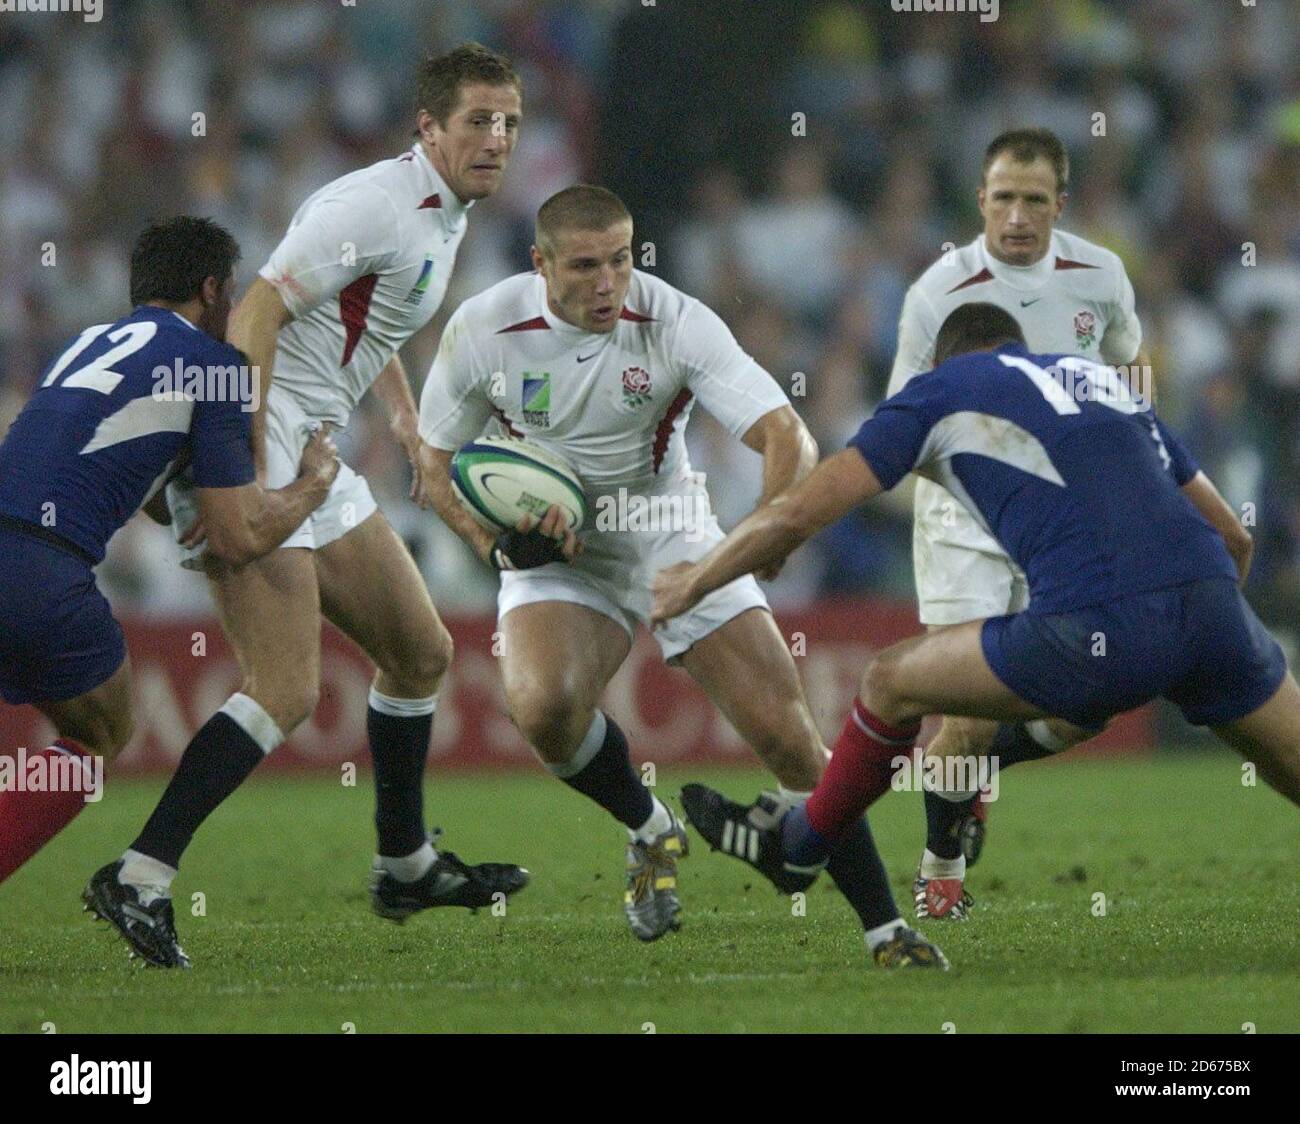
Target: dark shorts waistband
x=45, y=535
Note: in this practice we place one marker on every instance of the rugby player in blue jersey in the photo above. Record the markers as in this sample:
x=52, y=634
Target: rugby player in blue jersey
x=118, y=412
x=1133, y=592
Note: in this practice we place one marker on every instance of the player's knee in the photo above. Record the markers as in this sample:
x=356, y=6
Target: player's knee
x=434, y=658
x=963, y=737
x=287, y=701
x=879, y=683
x=119, y=730
x=418, y=666
x=301, y=703
x=104, y=733
x=547, y=719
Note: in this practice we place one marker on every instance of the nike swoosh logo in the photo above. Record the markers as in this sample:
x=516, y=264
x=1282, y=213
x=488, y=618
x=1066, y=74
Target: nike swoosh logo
x=1026, y=304
x=584, y=358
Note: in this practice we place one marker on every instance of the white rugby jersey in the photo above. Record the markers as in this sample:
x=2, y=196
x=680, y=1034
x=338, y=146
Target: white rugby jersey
x=364, y=265
x=1077, y=298
x=615, y=404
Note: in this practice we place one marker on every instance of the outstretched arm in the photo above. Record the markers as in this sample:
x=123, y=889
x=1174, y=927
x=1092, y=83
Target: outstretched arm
x=244, y=522
x=1205, y=496
x=836, y=486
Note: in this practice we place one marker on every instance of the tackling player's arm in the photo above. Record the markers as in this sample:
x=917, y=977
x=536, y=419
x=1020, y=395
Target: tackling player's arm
x=1205, y=497
x=834, y=488
x=245, y=521
x=255, y=325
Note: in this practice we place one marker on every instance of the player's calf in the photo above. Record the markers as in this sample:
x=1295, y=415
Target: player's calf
x=601, y=769
x=93, y=728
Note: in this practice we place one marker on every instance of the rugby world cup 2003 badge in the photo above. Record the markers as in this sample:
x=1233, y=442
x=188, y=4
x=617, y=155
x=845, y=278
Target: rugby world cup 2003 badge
x=536, y=398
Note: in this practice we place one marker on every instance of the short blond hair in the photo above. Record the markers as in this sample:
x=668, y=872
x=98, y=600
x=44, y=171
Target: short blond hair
x=580, y=207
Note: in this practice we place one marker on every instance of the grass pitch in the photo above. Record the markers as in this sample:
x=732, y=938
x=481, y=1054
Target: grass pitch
x=1199, y=931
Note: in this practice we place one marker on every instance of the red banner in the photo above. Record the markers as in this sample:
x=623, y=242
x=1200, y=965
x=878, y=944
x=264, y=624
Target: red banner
x=184, y=670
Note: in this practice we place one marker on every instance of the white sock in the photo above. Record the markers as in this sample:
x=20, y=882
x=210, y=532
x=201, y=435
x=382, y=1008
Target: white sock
x=407, y=868
x=1041, y=732
x=790, y=798
x=883, y=933
x=661, y=819
x=150, y=878
x=932, y=866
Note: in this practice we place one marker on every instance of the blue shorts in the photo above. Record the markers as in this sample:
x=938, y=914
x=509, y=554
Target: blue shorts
x=1199, y=645
x=58, y=638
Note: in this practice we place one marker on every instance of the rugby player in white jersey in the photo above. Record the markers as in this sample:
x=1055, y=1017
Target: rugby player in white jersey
x=363, y=266
x=601, y=364
x=1069, y=295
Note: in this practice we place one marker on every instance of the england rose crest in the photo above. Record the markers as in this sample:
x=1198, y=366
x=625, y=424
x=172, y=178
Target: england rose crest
x=1085, y=328
x=636, y=386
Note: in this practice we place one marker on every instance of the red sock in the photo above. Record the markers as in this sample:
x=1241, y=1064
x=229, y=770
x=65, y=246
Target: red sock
x=29, y=820
x=859, y=771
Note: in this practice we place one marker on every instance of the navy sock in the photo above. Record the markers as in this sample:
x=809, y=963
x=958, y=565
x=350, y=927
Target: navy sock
x=1012, y=744
x=213, y=765
x=943, y=819
x=399, y=745
x=802, y=843
x=609, y=779
x=856, y=867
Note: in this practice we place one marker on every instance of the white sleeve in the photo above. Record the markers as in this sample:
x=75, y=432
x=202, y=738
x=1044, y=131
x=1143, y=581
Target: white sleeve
x=728, y=383
x=917, y=328
x=1123, y=331
x=338, y=239
x=454, y=406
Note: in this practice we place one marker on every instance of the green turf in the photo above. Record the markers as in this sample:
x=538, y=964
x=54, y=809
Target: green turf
x=1199, y=933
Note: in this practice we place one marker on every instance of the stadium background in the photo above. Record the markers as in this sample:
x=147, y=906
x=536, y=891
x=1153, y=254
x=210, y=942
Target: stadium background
x=804, y=244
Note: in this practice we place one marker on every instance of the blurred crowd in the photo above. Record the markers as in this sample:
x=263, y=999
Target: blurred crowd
x=794, y=164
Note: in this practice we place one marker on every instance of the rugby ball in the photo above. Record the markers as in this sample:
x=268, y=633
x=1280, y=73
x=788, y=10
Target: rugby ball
x=498, y=479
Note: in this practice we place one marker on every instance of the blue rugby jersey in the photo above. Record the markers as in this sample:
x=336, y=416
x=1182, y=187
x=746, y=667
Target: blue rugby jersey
x=106, y=428
x=1078, y=481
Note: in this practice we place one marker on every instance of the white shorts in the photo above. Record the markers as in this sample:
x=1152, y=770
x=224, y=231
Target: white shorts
x=614, y=572
x=962, y=574
x=288, y=428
